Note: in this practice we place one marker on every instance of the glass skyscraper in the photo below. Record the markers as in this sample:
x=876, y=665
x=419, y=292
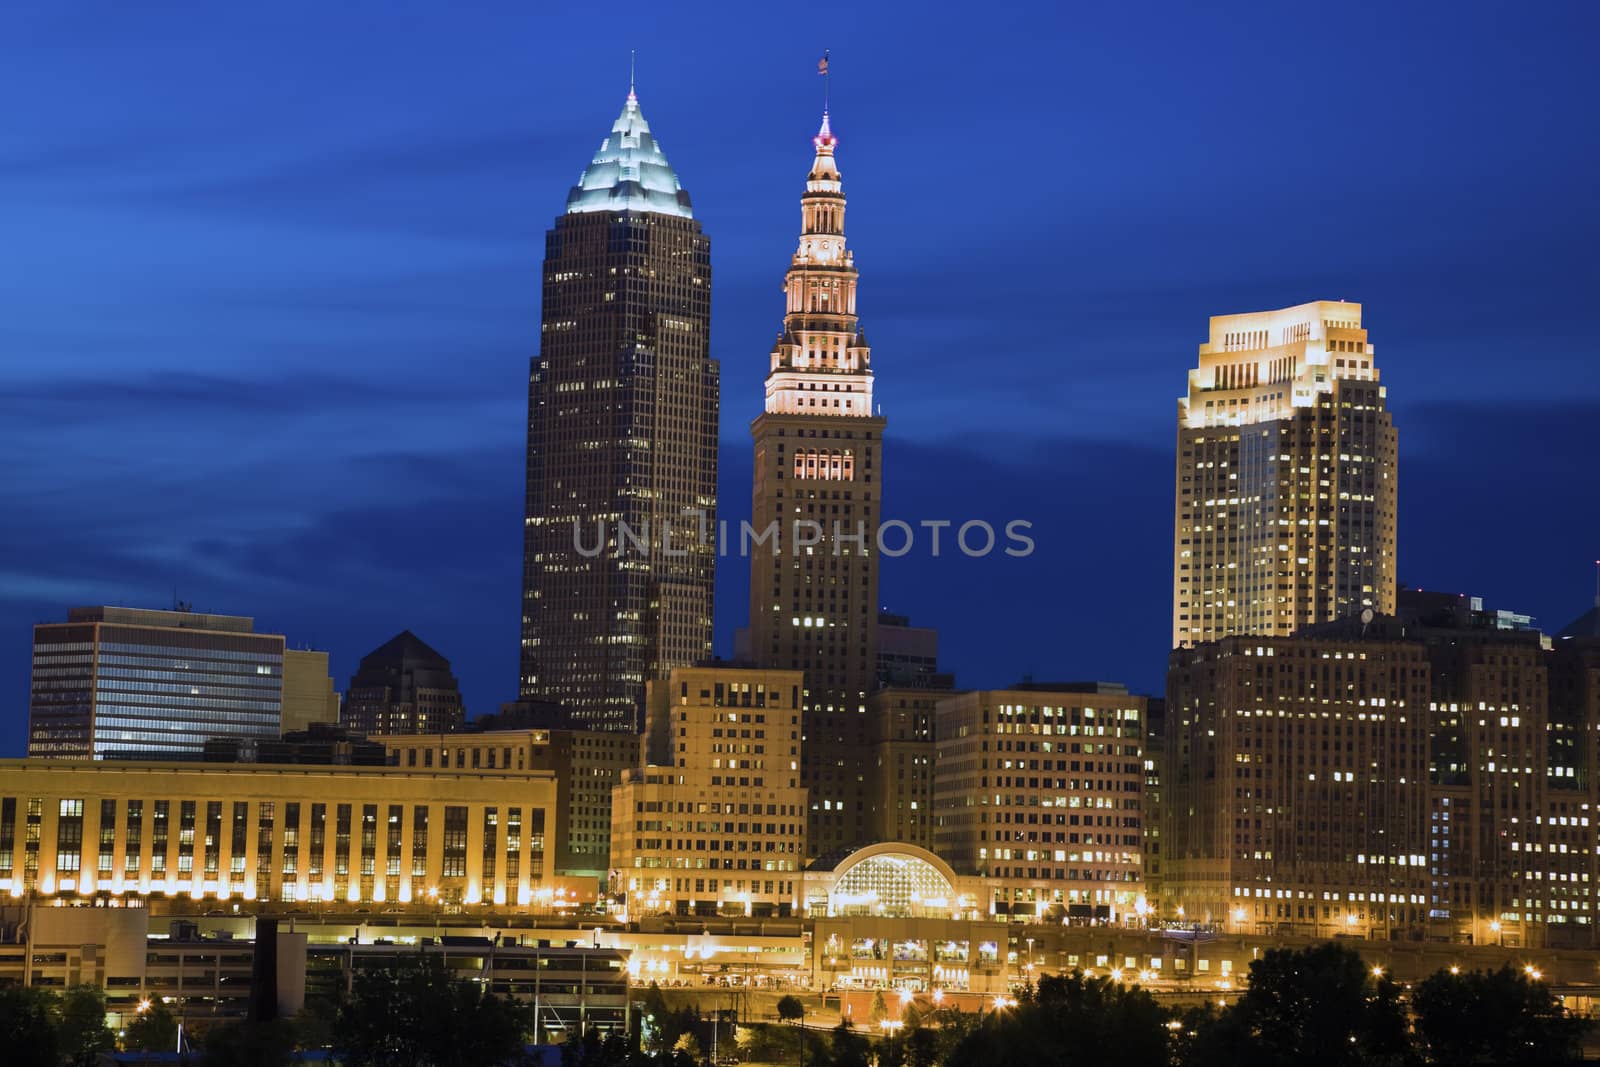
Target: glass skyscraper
x=126, y=683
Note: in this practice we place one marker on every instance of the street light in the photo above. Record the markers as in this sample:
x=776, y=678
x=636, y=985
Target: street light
x=889, y=1027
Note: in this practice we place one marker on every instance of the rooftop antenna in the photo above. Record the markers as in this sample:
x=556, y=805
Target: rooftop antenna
x=633, y=59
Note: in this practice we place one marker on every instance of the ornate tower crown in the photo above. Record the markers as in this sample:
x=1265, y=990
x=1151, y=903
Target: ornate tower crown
x=821, y=364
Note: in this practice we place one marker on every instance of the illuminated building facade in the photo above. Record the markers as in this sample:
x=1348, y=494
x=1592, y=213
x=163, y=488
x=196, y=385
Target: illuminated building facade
x=1402, y=779
x=622, y=440
x=402, y=687
x=1286, y=477
x=818, y=468
x=715, y=820
x=142, y=684
x=586, y=765
x=1295, y=786
x=1038, y=791
x=357, y=835
x=1514, y=796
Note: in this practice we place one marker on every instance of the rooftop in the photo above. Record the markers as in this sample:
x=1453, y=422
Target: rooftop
x=629, y=172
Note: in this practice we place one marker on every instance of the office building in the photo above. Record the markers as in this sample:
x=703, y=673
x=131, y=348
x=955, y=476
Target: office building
x=715, y=820
x=622, y=440
x=818, y=468
x=1038, y=792
x=210, y=968
x=116, y=682
x=121, y=830
x=309, y=698
x=1295, y=786
x=403, y=687
x=1295, y=799
x=901, y=735
x=587, y=764
x=908, y=656
x=1286, y=477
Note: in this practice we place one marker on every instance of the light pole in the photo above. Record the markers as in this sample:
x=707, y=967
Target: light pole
x=889, y=1027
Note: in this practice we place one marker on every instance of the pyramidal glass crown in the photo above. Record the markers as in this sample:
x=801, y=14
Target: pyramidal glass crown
x=629, y=172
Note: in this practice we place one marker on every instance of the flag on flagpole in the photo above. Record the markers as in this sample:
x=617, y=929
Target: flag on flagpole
x=822, y=65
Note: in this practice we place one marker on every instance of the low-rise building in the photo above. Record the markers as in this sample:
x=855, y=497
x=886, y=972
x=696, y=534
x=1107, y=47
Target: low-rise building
x=715, y=821
x=1038, y=791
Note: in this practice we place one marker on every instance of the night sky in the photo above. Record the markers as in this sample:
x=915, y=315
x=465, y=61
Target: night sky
x=269, y=284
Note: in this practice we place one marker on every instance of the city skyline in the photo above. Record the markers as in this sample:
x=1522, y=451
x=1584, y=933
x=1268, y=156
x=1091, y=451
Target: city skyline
x=1446, y=319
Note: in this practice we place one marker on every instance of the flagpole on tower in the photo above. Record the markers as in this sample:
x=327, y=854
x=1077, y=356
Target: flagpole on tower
x=822, y=69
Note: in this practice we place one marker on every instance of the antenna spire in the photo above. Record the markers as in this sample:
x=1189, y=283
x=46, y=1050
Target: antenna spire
x=633, y=61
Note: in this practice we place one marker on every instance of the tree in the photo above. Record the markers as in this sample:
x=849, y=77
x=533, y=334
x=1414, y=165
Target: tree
x=790, y=1008
x=416, y=1013
x=850, y=1049
x=154, y=1029
x=316, y=1026
x=879, y=1010
x=591, y=1051
x=28, y=1028
x=1322, y=1007
x=1070, y=1020
x=1498, y=1017
x=249, y=1044
x=688, y=1046
x=663, y=1024
x=82, y=1031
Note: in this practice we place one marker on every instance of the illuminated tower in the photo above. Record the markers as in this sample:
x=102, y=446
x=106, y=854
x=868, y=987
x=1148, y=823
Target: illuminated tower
x=818, y=461
x=1286, y=477
x=622, y=440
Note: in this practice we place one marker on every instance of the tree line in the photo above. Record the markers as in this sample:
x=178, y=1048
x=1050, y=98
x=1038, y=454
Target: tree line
x=1315, y=1007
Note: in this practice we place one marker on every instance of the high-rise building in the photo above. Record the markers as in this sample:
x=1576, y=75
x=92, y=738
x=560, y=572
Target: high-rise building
x=116, y=682
x=1286, y=477
x=715, y=819
x=1429, y=777
x=901, y=724
x=622, y=440
x=818, y=468
x=1295, y=785
x=308, y=693
x=1038, y=791
x=402, y=687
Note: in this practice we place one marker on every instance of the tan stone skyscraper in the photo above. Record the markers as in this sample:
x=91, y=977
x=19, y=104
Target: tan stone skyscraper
x=1286, y=477
x=818, y=471
x=622, y=440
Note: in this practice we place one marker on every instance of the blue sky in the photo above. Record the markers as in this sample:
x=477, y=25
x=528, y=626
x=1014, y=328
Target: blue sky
x=270, y=281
